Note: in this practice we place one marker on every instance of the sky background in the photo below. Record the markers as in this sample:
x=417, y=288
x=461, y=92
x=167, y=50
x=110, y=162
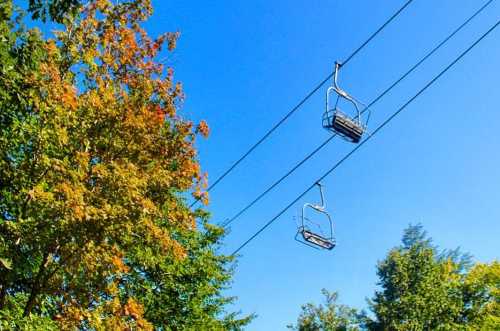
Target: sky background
x=245, y=64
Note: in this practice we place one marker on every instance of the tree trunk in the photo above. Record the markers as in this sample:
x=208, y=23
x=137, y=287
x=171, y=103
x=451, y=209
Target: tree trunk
x=36, y=287
x=3, y=294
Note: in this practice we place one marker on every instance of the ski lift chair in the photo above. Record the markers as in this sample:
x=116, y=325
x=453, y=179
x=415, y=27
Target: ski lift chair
x=317, y=239
x=336, y=121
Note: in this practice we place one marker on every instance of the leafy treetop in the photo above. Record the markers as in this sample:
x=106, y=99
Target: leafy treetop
x=93, y=159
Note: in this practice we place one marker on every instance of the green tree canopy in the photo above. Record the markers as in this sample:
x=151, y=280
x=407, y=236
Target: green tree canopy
x=481, y=292
x=187, y=294
x=420, y=288
x=330, y=316
x=54, y=10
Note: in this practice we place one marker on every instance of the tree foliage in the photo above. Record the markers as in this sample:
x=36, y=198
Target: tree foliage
x=187, y=294
x=420, y=288
x=331, y=316
x=481, y=290
x=55, y=10
x=424, y=289
x=94, y=161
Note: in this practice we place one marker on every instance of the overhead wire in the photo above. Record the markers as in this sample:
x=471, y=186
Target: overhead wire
x=380, y=127
x=380, y=96
x=297, y=107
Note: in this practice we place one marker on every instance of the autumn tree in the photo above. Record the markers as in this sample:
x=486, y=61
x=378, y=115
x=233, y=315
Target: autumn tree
x=331, y=316
x=94, y=161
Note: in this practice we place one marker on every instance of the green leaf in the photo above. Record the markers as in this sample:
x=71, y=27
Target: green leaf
x=7, y=264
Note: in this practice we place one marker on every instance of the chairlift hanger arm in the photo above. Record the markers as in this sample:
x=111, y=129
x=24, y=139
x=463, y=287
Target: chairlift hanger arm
x=336, y=86
x=323, y=202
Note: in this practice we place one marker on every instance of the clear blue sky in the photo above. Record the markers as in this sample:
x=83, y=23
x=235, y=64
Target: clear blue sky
x=244, y=64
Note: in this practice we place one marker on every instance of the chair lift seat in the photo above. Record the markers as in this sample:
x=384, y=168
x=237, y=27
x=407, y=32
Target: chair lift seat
x=317, y=240
x=347, y=127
